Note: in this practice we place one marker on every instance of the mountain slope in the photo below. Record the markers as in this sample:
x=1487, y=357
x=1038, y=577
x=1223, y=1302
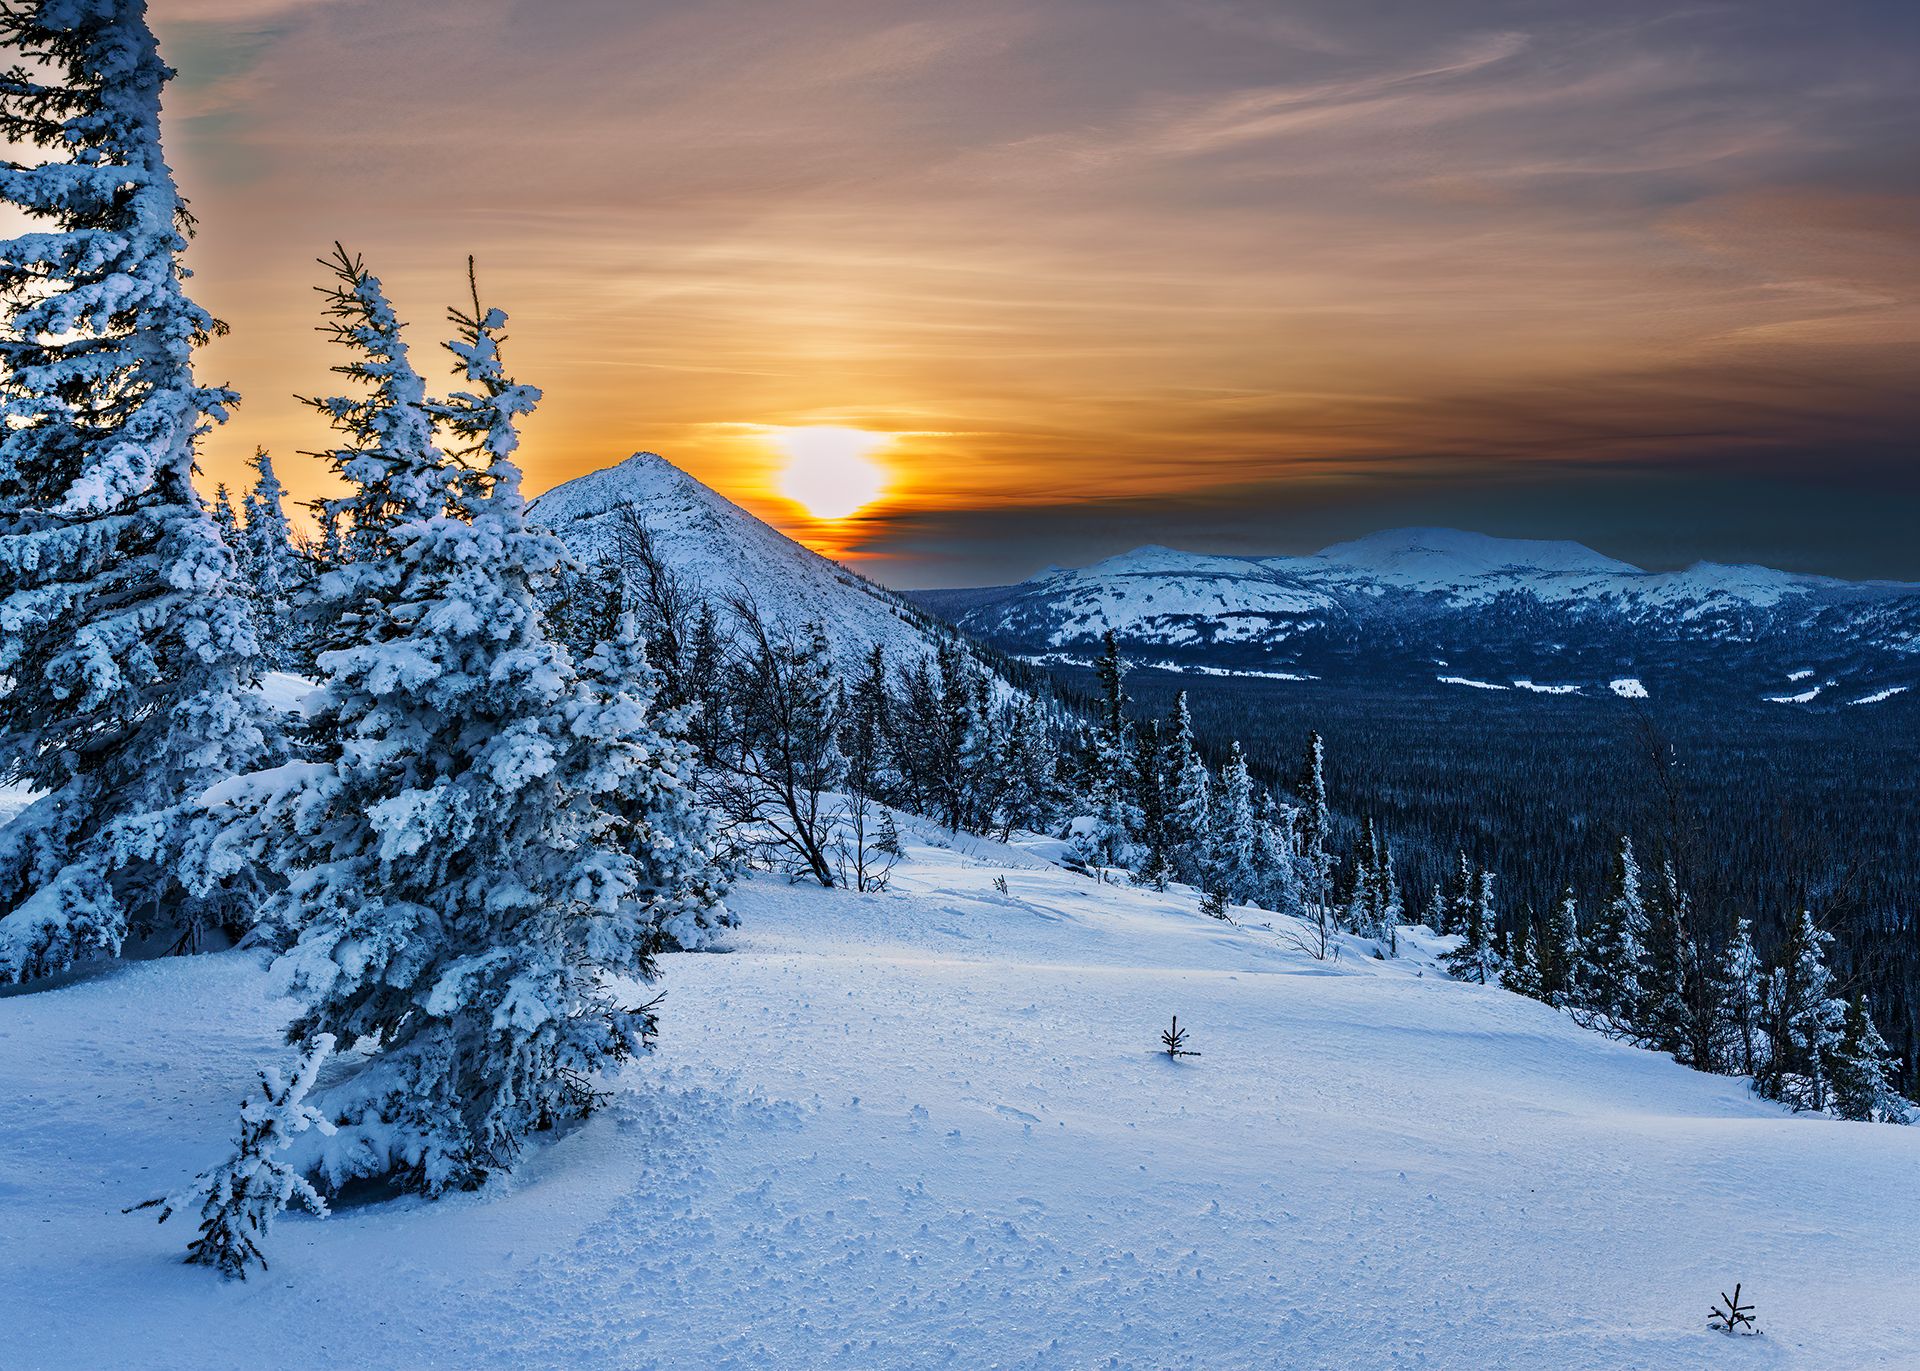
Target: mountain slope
x=928, y=1128
x=720, y=550
x=1442, y=605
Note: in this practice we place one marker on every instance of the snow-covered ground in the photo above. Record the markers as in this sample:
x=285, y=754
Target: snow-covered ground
x=928, y=1128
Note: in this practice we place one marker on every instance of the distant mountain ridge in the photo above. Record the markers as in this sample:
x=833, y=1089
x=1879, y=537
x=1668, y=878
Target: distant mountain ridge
x=1453, y=607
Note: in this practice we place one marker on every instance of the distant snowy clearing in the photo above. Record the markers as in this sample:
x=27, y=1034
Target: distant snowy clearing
x=928, y=1128
x=1804, y=697
x=1879, y=696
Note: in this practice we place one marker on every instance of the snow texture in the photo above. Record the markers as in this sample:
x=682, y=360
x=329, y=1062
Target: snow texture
x=929, y=1128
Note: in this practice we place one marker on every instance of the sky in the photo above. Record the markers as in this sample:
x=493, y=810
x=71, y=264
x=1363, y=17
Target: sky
x=1236, y=277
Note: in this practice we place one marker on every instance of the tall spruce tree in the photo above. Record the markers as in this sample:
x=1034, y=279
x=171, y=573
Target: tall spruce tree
x=1190, y=792
x=127, y=646
x=1023, y=766
x=1393, y=911
x=1613, y=956
x=1373, y=901
x=1455, y=900
x=479, y=857
x=226, y=523
x=1477, y=958
x=1313, y=829
x=644, y=777
x=1740, y=1006
x=1153, y=801
x=866, y=724
x=1863, y=1070
x=1521, y=973
x=1667, y=1016
x=1560, y=952
x=1805, y=1020
x=1234, y=869
x=395, y=472
x=1110, y=767
x=275, y=571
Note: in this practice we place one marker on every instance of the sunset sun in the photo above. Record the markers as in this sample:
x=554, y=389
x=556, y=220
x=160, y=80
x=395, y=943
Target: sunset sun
x=830, y=472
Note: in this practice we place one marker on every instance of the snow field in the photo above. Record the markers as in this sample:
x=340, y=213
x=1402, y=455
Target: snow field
x=928, y=1128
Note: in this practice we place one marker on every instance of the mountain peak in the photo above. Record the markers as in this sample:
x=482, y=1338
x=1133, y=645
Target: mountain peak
x=719, y=550
x=643, y=477
x=1153, y=559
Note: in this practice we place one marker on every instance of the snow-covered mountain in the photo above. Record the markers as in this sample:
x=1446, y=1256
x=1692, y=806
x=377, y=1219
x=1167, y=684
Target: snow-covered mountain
x=720, y=549
x=1465, y=608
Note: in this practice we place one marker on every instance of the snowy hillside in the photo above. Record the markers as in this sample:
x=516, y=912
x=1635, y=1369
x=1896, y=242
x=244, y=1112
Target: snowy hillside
x=720, y=549
x=1409, y=603
x=928, y=1128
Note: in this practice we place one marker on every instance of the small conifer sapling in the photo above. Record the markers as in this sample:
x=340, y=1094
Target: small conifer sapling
x=1173, y=1041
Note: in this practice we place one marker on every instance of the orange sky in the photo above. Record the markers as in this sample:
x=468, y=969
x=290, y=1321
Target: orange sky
x=1093, y=249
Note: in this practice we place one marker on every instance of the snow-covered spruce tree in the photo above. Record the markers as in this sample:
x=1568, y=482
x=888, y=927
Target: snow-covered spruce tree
x=1368, y=911
x=1276, y=827
x=1025, y=765
x=1805, y=1020
x=227, y=523
x=1189, y=816
x=239, y=1199
x=979, y=756
x=1521, y=973
x=864, y=717
x=395, y=472
x=1235, y=865
x=1393, y=911
x=866, y=724
x=941, y=742
x=639, y=765
x=123, y=638
x=1864, y=1068
x=1314, y=828
x=1153, y=802
x=1110, y=771
x=1558, y=951
x=644, y=775
x=1739, y=996
x=1454, y=901
x=477, y=867
x=1613, y=956
x=330, y=548
x=1476, y=958
x=275, y=571
x=1667, y=1016
x=484, y=421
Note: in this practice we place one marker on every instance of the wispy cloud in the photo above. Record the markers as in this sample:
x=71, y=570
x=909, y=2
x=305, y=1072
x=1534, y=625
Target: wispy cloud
x=1088, y=245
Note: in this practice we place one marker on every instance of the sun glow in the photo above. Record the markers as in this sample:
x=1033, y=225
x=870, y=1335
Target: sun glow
x=830, y=472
